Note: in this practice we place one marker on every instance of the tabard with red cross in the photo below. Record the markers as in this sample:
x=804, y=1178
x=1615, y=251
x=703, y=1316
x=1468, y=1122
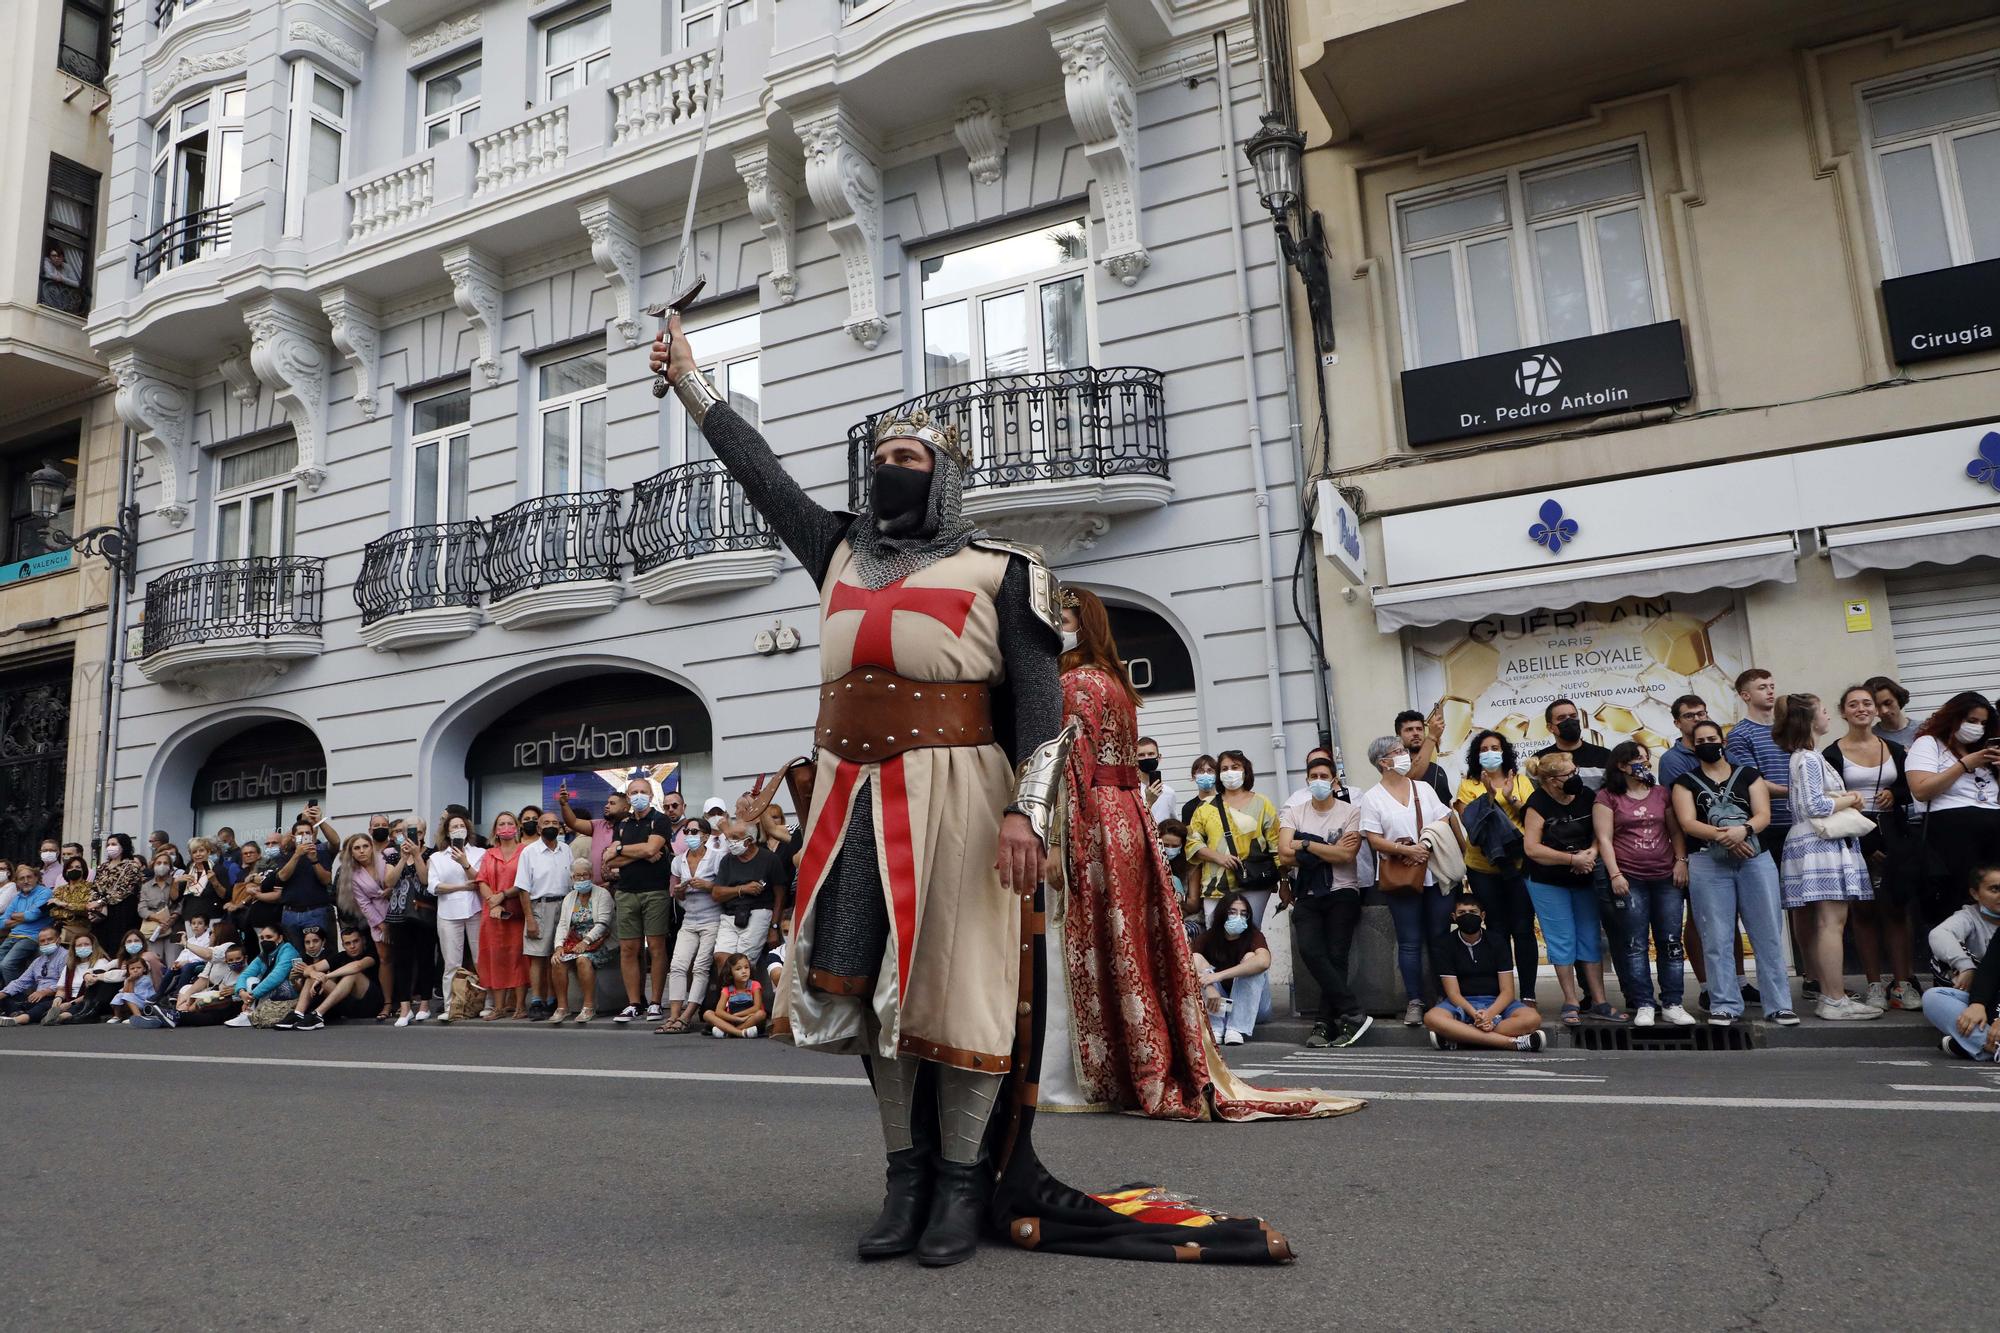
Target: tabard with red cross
x=954, y=933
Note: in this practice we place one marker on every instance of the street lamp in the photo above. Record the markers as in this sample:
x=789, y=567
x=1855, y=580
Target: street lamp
x=1275, y=152
x=117, y=542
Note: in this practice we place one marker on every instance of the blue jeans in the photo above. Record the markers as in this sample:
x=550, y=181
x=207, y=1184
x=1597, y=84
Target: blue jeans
x=16, y=952
x=1942, y=1006
x=1249, y=1000
x=1420, y=918
x=295, y=924
x=1569, y=922
x=1657, y=904
x=1721, y=892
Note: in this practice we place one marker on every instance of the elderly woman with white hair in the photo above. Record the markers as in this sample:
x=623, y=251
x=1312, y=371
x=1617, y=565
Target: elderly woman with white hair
x=1394, y=815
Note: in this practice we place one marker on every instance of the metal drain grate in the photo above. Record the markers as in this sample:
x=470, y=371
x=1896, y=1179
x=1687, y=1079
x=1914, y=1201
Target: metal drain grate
x=1621, y=1037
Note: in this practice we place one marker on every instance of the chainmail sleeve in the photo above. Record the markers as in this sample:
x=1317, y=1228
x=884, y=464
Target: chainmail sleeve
x=1030, y=651
x=810, y=530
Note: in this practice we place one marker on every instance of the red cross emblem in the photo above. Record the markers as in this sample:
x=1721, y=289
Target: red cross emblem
x=878, y=608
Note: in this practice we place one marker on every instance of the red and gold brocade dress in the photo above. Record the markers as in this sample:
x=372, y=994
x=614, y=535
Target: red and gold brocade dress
x=1126, y=1029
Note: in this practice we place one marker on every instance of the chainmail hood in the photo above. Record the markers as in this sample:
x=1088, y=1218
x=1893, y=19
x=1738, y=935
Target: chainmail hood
x=880, y=561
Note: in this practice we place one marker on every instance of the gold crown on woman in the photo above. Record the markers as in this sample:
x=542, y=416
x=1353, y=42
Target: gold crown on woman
x=1069, y=601
x=939, y=436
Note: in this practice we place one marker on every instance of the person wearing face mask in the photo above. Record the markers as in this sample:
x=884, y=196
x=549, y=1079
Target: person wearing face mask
x=1420, y=735
x=69, y=903
x=157, y=895
x=1475, y=971
x=1723, y=810
x=1640, y=845
x=361, y=884
x=1232, y=960
x=1394, y=814
x=450, y=873
x=746, y=882
x=90, y=978
x=641, y=862
x=1954, y=775
x=503, y=967
x=1959, y=944
x=1492, y=802
x=694, y=878
x=1321, y=836
x=1173, y=846
x=254, y=903
x=23, y=922
x=1162, y=801
x=410, y=925
x=304, y=876
x=51, y=862
x=1564, y=721
x=1822, y=870
x=543, y=877
x=1201, y=775
x=114, y=900
x=27, y=998
x=1231, y=832
x=269, y=976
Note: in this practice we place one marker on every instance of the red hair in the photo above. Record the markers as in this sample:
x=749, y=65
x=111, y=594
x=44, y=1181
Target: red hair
x=1094, y=644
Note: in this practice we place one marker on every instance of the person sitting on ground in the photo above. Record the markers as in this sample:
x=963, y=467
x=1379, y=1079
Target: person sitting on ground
x=269, y=975
x=582, y=935
x=1974, y=1032
x=199, y=947
x=1959, y=944
x=134, y=945
x=1231, y=961
x=741, y=1009
x=21, y=924
x=772, y=964
x=211, y=998
x=137, y=994
x=348, y=989
x=88, y=983
x=1476, y=974
x=26, y=999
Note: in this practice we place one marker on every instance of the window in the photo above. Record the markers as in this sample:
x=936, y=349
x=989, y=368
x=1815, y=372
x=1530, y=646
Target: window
x=197, y=171
x=571, y=433
x=1935, y=147
x=703, y=20
x=451, y=103
x=256, y=501
x=730, y=348
x=440, y=445
x=318, y=153
x=86, y=40
x=575, y=53
x=69, y=238
x=1011, y=306
x=26, y=536
x=1531, y=256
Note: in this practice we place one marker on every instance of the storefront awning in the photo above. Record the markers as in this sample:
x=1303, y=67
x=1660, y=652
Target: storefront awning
x=1940, y=541
x=1686, y=569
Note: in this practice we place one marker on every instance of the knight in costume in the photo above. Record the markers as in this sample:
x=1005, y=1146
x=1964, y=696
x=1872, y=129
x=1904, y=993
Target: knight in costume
x=912, y=933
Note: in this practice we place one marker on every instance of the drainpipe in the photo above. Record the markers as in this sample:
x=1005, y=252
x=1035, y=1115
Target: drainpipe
x=114, y=674
x=1260, y=483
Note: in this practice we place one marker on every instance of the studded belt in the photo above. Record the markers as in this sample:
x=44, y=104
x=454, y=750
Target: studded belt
x=870, y=715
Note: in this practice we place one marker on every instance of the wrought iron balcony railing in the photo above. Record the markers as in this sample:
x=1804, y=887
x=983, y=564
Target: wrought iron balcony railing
x=71, y=298
x=80, y=64
x=690, y=510
x=1055, y=426
x=264, y=597
x=554, y=539
x=421, y=569
x=182, y=240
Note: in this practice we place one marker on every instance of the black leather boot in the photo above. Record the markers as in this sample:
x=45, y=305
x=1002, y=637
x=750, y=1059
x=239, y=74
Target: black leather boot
x=905, y=1207
x=958, y=1209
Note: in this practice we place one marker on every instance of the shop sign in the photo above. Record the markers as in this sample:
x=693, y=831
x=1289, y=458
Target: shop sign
x=591, y=744
x=1945, y=312
x=1340, y=532
x=36, y=565
x=1623, y=663
x=265, y=782
x=1583, y=377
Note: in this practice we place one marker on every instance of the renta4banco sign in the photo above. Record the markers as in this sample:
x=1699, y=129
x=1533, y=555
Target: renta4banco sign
x=1583, y=377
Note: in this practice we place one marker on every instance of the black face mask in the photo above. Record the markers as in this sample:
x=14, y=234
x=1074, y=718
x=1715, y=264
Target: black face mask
x=379, y=834
x=1467, y=923
x=528, y=827
x=73, y=874
x=548, y=833
x=1569, y=729
x=1150, y=767
x=1708, y=751
x=900, y=499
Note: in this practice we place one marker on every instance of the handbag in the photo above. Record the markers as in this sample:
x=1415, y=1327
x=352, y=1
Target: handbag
x=1258, y=868
x=1842, y=823
x=1395, y=875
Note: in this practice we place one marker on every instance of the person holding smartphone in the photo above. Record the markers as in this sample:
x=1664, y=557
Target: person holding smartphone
x=305, y=878
x=1954, y=782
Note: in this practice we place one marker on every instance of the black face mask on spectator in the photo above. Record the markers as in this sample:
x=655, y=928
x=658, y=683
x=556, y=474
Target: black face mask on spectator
x=73, y=874
x=1569, y=729
x=1708, y=751
x=549, y=834
x=379, y=834
x=1150, y=766
x=528, y=827
x=1467, y=923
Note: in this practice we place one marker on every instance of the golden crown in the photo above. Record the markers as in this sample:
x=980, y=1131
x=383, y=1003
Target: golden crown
x=920, y=425
x=1069, y=599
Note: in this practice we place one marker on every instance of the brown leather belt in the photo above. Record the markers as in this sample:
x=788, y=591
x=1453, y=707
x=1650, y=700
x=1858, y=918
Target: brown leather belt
x=870, y=715
x=1123, y=776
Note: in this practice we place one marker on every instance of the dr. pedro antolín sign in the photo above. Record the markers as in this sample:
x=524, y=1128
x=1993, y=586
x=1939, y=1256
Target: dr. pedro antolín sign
x=1584, y=377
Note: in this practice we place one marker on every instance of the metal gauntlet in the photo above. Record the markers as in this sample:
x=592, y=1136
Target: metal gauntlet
x=697, y=395
x=1038, y=783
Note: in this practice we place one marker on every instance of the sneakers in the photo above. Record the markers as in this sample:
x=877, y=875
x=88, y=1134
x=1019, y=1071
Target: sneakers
x=113, y=1022
x=1233, y=1038
x=166, y=1016
x=1877, y=997
x=1319, y=1039
x=290, y=1021
x=309, y=1023
x=1953, y=1049
x=1440, y=1044
x=1413, y=1014
x=750, y=1032
x=1722, y=1020
x=1351, y=1030
x=1643, y=1017
x=1844, y=1010
x=652, y=1013
x=718, y=1034
x=1678, y=1016
x=630, y=1012
x=240, y=1021
x=1538, y=1040
x=1784, y=1018
x=1905, y=995
x=421, y=1016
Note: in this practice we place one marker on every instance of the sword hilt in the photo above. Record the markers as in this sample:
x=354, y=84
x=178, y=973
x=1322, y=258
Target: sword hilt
x=685, y=298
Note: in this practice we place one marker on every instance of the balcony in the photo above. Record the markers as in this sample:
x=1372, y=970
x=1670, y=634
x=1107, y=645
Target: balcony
x=86, y=66
x=555, y=558
x=692, y=533
x=182, y=240
x=1052, y=454
x=229, y=627
x=420, y=585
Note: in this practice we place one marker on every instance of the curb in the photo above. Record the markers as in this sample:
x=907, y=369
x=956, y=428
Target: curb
x=1897, y=1028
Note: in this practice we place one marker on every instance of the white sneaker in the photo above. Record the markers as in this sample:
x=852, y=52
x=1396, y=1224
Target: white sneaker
x=1233, y=1039
x=1678, y=1016
x=719, y=1034
x=402, y=1020
x=1844, y=1010
x=628, y=1013
x=113, y=1022
x=240, y=1021
x=1644, y=1017
x=1878, y=996
x=422, y=1016
x=749, y=1032
x=652, y=1013
x=1905, y=995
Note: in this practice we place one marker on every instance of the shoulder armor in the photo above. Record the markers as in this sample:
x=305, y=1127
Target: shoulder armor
x=1043, y=595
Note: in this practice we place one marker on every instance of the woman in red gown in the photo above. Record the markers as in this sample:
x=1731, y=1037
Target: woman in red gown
x=1127, y=1031
x=503, y=968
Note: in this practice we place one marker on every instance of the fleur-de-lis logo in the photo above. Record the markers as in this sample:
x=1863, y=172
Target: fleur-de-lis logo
x=1554, y=531
x=1986, y=468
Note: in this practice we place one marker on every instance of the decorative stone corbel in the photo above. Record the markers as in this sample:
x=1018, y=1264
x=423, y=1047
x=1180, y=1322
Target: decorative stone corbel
x=235, y=367
x=983, y=137
x=357, y=336
x=614, y=248
x=289, y=353
x=475, y=287
x=1097, y=84
x=157, y=402
x=773, y=183
x=846, y=186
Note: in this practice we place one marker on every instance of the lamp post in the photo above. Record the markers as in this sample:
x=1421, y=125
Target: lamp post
x=1275, y=152
x=116, y=542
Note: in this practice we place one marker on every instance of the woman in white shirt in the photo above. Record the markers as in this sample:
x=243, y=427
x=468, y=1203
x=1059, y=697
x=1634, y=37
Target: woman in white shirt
x=449, y=873
x=1954, y=781
x=1393, y=817
x=694, y=946
x=1871, y=766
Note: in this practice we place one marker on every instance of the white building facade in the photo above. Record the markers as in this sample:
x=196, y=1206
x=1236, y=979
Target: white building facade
x=415, y=528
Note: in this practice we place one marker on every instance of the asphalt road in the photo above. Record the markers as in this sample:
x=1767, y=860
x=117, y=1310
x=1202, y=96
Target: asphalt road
x=525, y=1178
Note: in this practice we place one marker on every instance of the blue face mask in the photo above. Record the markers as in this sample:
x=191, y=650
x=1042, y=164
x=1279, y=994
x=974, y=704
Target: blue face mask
x=1989, y=914
x=1235, y=926
x=1490, y=760
x=1320, y=789
x=641, y=804
x=1204, y=782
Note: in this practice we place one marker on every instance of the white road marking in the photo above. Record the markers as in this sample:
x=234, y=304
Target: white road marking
x=412, y=1067
x=1902, y=1064
x=1614, y=1099
x=1935, y=1087
x=1498, y=1076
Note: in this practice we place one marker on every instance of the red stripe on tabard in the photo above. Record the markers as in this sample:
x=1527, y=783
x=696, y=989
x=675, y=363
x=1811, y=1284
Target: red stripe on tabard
x=902, y=859
x=874, y=637
x=825, y=839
